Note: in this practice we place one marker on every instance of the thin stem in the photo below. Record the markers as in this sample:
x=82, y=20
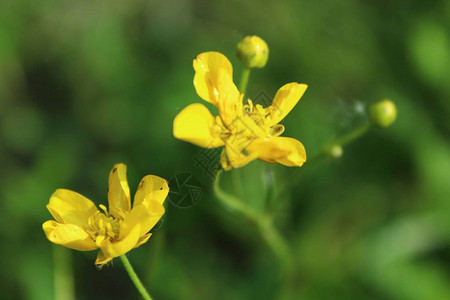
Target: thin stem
x=63, y=274
x=270, y=185
x=133, y=276
x=276, y=243
x=231, y=201
x=236, y=182
x=264, y=224
x=244, y=80
x=353, y=135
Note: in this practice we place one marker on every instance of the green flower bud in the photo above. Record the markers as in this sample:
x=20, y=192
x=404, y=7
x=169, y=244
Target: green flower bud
x=383, y=113
x=253, y=52
x=334, y=151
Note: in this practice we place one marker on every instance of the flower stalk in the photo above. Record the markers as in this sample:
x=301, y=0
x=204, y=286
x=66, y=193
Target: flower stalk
x=244, y=80
x=276, y=242
x=134, y=277
x=231, y=202
x=353, y=135
x=264, y=224
x=63, y=274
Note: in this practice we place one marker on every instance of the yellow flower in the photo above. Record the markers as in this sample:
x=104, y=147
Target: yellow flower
x=81, y=226
x=247, y=131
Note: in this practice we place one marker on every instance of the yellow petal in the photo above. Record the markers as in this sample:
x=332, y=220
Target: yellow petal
x=118, y=192
x=230, y=101
x=69, y=207
x=213, y=81
x=287, y=151
x=232, y=158
x=144, y=216
x=196, y=125
x=151, y=188
x=109, y=250
x=143, y=240
x=209, y=68
x=285, y=100
x=68, y=235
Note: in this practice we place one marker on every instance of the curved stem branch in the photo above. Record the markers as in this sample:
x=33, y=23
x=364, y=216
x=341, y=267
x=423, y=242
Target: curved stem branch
x=264, y=224
x=232, y=202
x=276, y=243
x=353, y=135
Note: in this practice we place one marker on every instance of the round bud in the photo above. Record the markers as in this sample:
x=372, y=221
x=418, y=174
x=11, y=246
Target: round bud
x=335, y=151
x=383, y=113
x=253, y=52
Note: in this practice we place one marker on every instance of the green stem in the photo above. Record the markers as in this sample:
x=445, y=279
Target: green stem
x=264, y=224
x=270, y=186
x=244, y=80
x=237, y=183
x=231, y=201
x=64, y=287
x=353, y=135
x=276, y=243
x=133, y=276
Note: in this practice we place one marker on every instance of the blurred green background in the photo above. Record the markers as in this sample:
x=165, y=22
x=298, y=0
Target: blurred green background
x=86, y=84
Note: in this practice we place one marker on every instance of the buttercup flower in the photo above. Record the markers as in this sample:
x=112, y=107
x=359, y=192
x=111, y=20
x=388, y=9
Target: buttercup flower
x=81, y=226
x=247, y=131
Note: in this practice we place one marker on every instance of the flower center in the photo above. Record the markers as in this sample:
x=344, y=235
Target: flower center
x=102, y=227
x=256, y=113
x=251, y=123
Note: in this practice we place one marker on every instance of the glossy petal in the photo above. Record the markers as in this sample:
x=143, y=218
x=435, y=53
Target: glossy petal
x=209, y=68
x=196, y=125
x=68, y=235
x=285, y=100
x=287, y=151
x=213, y=81
x=118, y=192
x=72, y=208
x=144, y=216
x=151, y=188
x=109, y=250
x=229, y=101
